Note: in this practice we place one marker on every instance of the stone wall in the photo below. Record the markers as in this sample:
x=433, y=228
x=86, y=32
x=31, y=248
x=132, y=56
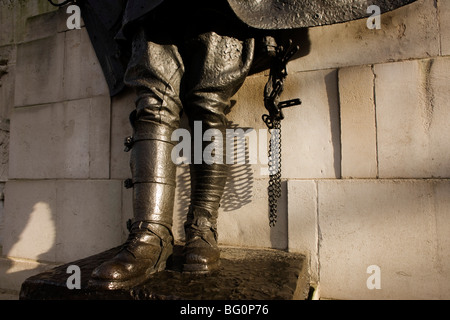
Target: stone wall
x=366, y=158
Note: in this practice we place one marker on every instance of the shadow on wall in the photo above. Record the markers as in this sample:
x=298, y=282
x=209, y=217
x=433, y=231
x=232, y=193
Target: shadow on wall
x=331, y=81
x=28, y=229
x=238, y=189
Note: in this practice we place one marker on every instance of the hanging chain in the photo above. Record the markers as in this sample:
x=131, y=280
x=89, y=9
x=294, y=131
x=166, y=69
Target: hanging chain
x=272, y=92
x=274, y=189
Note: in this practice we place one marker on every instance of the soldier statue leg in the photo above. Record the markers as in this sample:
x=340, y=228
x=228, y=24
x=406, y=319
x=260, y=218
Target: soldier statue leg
x=150, y=242
x=213, y=76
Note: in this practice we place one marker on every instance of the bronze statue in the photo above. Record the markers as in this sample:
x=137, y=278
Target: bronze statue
x=192, y=57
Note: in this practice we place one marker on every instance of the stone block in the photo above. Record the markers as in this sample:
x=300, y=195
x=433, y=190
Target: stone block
x=399, y=226
x=83, y=75
x=99, y=121
x=61, y=66
x=39, y=71
x=248, y=103
x=88, y=217
x=408, y=32
x=303, y=228
x=44, y=25
x=62, y=140
x=358, y=130
x=27, y=9
x=6, y=23
x=442, y=260
x=310, y=132
x=444, y=23
x=58, y=221
x=413, y=122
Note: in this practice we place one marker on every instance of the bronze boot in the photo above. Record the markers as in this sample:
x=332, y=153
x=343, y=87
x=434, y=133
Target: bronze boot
x=150, y=242
x=201, y=253
x=145, y=252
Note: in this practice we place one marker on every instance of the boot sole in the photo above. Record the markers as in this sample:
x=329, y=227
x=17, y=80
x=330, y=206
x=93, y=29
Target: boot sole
x=96, y=284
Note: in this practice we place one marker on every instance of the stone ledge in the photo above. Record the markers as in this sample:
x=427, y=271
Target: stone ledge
x=245, y=274
x=8, y=294
x=13, y=271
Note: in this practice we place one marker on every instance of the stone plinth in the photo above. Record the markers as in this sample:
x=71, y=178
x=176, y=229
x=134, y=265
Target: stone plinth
x=245, y=274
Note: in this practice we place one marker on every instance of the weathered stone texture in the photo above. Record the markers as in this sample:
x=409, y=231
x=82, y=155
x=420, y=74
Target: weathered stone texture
x=62, y=140
x=400, y=226
x=358, y=125
x=444, y=23
x=413, y=122
x=303, y=227
x=406, y=33
x=39, y=71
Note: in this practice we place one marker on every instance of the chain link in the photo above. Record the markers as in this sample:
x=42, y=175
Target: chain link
x=274, y=189
x=272, y=91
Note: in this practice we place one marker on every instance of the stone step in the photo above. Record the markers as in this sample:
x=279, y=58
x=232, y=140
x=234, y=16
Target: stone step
x=245, y=274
